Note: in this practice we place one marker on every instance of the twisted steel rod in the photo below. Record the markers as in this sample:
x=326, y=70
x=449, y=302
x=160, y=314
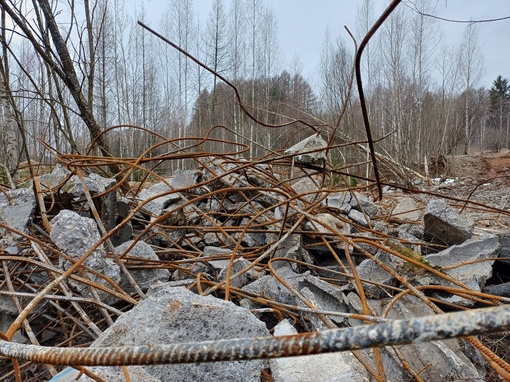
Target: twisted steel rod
x=416, y=330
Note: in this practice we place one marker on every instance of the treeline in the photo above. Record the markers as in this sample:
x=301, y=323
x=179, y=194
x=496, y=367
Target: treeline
x=424, y=98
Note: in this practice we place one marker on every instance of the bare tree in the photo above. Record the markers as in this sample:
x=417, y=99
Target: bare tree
x=216, y=46
x=7, y=114
x=392, y=45
x=424, y=38
x=63, y=65
x=364, y=21
x=237, y=41
x=449, y=72
x=182, y=27
x=254, y=11
x=334, y=70
x=471, y=66
x=237, y=53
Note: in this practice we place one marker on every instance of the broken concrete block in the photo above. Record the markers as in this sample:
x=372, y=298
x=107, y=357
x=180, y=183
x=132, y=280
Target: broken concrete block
x=444, y=358
x=16, y=211
x=408, y=210
x=215, y=239
x=363, y=203
x=332, y=367
x=175, y=215
x=502, y=290
x=167, y=196
x=473, y=274
x=176, y=315
x=271, y=288
x=190, y=271
x=323, y=296
x=51, y=181
x=412, y=232
x=238, y=266
x=224, y=255
x=313, y=143
x=437, y=360
x=358, y=217
x=75, y=235
x=143, y=277
x=96, y=184
x=290, y=248
x=504, y=240
x=6, y=320
x=251, y=239
x=339, y=201
x=125, y=232
x=370, y=271
x=186, y=180
x=331, y=221
x=443, y=223
x=308, y=188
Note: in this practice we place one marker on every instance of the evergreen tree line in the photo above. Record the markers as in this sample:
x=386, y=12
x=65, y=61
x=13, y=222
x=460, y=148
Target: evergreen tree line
x=424, y=97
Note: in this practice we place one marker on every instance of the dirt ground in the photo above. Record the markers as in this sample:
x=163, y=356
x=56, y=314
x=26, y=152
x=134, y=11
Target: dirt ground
x=481, y=165
x=483, y=178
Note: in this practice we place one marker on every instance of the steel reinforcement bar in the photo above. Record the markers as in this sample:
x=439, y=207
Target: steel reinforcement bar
x=421, y=329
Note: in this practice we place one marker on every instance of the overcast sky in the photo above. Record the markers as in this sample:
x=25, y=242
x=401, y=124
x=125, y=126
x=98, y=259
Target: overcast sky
x=302, y=25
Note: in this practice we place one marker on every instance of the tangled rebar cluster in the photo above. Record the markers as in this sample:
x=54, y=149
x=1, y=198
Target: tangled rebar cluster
x=252, y=208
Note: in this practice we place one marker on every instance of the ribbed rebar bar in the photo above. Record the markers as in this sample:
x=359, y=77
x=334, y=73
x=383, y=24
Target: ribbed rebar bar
x=416, y=330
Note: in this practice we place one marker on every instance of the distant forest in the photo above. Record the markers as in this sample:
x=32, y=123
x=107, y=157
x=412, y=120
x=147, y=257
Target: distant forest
x=76, y=72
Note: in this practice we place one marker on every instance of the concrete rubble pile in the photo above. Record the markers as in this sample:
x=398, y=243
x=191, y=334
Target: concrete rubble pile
x=280, y=247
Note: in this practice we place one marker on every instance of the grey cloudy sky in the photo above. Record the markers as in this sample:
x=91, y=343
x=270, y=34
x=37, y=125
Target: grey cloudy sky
x=302, y=25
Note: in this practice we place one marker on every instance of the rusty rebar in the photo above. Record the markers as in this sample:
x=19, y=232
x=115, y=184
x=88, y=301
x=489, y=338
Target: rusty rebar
x=398, y=332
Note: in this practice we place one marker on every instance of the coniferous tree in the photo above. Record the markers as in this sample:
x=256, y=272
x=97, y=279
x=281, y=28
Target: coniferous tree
x=499, y=119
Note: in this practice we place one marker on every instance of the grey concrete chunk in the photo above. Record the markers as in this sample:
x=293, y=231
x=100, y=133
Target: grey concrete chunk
x=358, y=217
x=176, y=315
x=222, y=256
x=143, y=277
x=308, y=188
x=407, y=209
x=328, y=220
x=167, y=196
x=443, y=223
x=363, y=203
x=271, y=288
x=6, y=320
x=411, y=232
x=333, y=367
x=370, y=271
x=437, y=360
x=290, y=248
x=474, y=273
x=446, y=356
x=325, y=297
x=239, y=265
x=75, y=235
x=16, y=211
x=122, y=235
x=313, y=143
x=185, y=179
x=339, y=201
x=504, y=240
x=51, y=181
x=95, y=184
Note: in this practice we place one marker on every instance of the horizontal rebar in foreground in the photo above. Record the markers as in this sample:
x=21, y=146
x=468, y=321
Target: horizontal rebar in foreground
x=421, y=329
